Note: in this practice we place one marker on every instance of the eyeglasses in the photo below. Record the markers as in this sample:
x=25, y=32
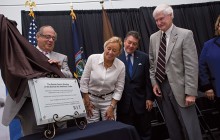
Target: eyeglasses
x=48, y=37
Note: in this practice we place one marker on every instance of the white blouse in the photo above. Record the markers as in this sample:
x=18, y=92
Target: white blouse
x=96, y=79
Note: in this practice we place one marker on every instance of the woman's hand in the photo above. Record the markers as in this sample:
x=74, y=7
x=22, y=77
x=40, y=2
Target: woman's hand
x=109, y=115
x=210, y=94
x=88, y=105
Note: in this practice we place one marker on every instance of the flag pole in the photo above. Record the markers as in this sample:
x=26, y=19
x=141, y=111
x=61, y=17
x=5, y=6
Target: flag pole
x=73, y=15
x=32, y=27
x=107, y=28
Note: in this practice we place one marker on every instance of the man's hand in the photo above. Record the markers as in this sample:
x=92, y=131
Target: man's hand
x=190, y=100
x=156, y=90
x=149, y=105
x=52, y=61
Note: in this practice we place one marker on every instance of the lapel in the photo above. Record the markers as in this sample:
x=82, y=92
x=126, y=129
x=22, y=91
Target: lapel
x=172, y=42
x=52, y=55
x=157, y=42
x=122, y=57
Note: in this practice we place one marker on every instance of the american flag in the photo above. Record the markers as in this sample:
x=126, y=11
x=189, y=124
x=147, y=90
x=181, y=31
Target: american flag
x=32, y=32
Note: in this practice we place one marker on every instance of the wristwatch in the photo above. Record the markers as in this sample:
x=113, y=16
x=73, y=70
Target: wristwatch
x=112, y=106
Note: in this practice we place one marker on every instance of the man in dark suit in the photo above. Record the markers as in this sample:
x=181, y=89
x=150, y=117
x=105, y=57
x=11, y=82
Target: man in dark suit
x=174, y=75
x=137, y=98
x=23, y=109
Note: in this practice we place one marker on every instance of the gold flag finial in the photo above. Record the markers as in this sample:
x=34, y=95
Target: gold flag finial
x=31, y=4
x=102, y=3
x=72, y=14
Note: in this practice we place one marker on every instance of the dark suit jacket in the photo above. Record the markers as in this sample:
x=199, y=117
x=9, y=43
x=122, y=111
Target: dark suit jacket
x=137, y=88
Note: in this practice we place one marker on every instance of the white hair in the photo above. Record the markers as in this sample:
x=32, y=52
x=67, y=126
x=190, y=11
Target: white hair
x=164, y=8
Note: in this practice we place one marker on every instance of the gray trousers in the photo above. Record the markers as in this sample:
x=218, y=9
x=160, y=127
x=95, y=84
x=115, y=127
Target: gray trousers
x=182, y=122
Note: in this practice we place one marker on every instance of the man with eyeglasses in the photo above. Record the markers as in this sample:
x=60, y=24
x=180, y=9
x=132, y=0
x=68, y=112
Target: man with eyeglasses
x=174, y=75
x=46, y=37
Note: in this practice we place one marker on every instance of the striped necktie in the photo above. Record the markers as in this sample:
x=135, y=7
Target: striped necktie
x=160, y=71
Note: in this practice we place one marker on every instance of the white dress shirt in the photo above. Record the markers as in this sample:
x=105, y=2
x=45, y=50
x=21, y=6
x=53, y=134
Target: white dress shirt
x=131, y=57
x=168, y=32
x=96, y=79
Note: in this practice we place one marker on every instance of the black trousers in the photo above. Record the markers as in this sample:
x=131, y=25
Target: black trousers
x=217, y=103
x=142, y=122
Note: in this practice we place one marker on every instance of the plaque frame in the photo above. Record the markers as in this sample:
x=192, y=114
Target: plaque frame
x=42, y=88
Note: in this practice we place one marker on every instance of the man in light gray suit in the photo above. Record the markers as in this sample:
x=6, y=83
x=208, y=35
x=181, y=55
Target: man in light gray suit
x=46, y=37
x=174, y=75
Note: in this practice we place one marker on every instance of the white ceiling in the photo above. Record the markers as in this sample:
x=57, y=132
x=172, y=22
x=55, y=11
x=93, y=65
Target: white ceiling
x=12, y=8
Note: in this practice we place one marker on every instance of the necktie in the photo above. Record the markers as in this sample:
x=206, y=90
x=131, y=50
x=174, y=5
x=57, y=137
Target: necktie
x=160, y=71
x=129, y=64
x=45, y=53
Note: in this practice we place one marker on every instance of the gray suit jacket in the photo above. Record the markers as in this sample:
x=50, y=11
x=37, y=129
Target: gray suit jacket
x=12, y=108
x=181, y=62
x=64, y=63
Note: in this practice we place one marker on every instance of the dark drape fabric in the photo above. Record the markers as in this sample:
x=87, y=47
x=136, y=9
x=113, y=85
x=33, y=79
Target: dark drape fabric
x=91, y=31
x=19, y=60
x=107, y=28
x=125, y=20
x=199, y=18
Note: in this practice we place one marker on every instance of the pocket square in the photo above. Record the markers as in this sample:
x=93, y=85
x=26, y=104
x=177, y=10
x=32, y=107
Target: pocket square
x=139, y=64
